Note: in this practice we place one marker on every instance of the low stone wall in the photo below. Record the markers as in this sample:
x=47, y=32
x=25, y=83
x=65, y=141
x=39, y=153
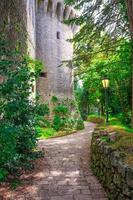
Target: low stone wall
x=108, y=166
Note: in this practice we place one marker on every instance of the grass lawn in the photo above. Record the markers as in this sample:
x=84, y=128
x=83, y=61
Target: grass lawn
x=114, y=123
x=117, y=125
x=45, y=133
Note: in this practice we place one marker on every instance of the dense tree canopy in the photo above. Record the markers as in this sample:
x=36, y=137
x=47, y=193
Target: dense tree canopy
x=103, y=47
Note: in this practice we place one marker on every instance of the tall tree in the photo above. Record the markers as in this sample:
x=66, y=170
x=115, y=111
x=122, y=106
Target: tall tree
x=129, y=4
x=115, y=17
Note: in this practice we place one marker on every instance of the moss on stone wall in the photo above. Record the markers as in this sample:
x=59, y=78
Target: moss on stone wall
x=108, y=165
x=13, y=23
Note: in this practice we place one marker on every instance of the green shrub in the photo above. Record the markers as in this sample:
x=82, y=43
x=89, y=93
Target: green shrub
x=3, y=174
x=42, y=122
x=17, y=110
x=70, y=123
x=42, y=109
x=15, y=183
x=42, y=112
x=64, y=112
x=125, y=118
x=61, y=109
x=80, y=124
x=46, y=123
x=57, y=123
x=7, y=143
x=54, y=99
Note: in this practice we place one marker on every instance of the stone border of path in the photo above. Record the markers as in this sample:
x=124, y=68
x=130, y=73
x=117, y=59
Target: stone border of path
x=108, y=166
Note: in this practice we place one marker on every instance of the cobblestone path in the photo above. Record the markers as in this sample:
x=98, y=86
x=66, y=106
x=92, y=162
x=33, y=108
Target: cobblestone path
x=67, y=174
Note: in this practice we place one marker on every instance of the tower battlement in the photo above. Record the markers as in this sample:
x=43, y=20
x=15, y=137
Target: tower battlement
x=55, y=8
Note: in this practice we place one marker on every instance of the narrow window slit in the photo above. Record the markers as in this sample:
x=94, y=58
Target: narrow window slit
x=43, y=74
x=58, y=35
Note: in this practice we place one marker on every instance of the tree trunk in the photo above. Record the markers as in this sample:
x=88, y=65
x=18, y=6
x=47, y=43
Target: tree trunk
x=129, y=4
x=102, y=109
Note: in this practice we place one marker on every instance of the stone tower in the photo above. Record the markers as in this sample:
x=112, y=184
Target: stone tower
x=54, y=49
x=47, y=39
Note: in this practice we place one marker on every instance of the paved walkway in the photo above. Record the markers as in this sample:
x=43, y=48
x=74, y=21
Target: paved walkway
x=67, y=174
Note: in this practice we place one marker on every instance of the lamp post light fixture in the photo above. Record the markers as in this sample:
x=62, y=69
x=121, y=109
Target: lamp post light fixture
x=105, y=82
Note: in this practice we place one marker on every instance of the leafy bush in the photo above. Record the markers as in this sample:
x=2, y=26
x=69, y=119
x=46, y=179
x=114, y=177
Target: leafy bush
x=42, y=109
x=42, y=113
x=70, y=123
x=64, y=116
x=80, y=124
x=57, y=124
x=3, y=174
x=54, y=99
x=61, y=109
x=17, y=108
x=60, y=118
x=43, y=123
x=125, y=118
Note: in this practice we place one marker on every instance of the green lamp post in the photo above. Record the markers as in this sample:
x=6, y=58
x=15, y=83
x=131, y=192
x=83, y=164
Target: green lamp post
x=105, y=82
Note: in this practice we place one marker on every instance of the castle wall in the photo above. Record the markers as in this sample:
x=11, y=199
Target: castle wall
x=31, y=28
x=17, y=23
x=31, y=34
x=52, y=48
x=13, y=18
x=44, y=36
x=14, y=25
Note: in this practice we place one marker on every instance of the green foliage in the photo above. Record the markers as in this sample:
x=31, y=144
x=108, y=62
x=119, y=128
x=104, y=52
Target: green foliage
x=15, y=183
x=63, y=116
x=46, y=123
x=58, y=123
x=3, y=174
x=54, y=99
x=17, y=108
x=82, y=97
x=116, y=64
x=103, y=47
x=42, y=110
x=35, y=65
x=80, y=124
x=45, y=132
x=125, y=118
x=70, y=123
x=116, y=124
x=61, y=109
x=8, y=136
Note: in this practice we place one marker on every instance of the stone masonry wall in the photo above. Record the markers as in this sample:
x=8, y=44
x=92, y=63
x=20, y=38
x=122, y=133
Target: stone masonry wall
x=13, y=19
x=44, y=35
x=107, y=165
x=16, y=25
x=30, y=6
x=53, y=47
x=31, y=27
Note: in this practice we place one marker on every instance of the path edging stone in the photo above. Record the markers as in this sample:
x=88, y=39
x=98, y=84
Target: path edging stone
x=107, y=165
